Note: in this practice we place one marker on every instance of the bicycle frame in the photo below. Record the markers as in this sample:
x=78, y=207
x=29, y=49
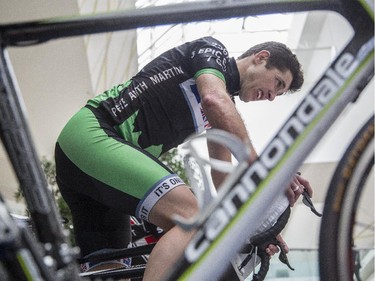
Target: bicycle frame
x=257, y=185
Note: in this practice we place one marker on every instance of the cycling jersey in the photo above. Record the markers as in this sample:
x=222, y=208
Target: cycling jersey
x=160, y=106
x=107, y=153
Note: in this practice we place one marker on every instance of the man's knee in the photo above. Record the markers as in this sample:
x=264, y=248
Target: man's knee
x=179, y=201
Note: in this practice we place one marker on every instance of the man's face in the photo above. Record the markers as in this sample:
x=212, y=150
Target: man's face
x=261, y=83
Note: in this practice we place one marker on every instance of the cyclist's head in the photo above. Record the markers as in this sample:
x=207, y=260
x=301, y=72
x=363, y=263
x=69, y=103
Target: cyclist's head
x=282, y=58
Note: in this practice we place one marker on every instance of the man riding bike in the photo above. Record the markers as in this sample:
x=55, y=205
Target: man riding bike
x=107, y=155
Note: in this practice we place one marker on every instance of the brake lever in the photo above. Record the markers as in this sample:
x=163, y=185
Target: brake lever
x=307, y=201
x=284, y=258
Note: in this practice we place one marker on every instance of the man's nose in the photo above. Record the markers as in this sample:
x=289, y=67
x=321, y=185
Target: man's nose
x=271, y=95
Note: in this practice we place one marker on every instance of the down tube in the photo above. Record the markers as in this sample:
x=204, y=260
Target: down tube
x=338, y=87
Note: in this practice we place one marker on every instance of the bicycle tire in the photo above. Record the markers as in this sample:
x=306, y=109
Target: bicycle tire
x=344, y=193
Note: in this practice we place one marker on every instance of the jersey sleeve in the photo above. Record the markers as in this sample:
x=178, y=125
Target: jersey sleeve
x=208, y=55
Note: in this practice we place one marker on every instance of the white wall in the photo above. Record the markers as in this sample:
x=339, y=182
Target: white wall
x=112, y=56
x=55, y=77
x=52, y=77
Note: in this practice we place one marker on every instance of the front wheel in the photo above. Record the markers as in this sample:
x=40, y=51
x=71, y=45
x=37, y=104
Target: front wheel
x=347, y=229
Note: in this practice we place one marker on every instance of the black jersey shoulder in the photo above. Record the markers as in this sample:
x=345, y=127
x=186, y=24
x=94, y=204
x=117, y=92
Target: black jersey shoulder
x=206, y=52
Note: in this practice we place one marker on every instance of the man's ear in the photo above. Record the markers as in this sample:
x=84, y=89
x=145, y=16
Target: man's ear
x=262, y=56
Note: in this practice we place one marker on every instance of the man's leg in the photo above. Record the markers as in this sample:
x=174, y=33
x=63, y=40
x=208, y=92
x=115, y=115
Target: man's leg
x=170, y=247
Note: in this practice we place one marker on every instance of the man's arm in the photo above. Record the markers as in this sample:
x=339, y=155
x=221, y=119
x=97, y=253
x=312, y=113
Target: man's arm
x=221, y=114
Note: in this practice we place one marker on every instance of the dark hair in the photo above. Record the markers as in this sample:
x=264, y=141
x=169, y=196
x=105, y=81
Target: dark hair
x=282, y=58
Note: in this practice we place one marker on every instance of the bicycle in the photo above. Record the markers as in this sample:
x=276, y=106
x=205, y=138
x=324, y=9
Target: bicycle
x=340, y=85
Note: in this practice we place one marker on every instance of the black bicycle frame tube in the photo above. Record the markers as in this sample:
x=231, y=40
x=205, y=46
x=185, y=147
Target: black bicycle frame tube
x=34, y=32
x=17, y=140
x=15, y=135
x=14, y=129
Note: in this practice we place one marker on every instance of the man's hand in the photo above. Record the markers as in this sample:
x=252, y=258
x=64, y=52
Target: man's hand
x=296, y=188
x=273, y=249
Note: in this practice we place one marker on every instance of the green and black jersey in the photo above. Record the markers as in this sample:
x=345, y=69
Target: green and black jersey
x=160, y=106
x=109, y=149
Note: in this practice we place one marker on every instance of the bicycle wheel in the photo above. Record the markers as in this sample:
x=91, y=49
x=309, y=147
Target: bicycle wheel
x=347, y=228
